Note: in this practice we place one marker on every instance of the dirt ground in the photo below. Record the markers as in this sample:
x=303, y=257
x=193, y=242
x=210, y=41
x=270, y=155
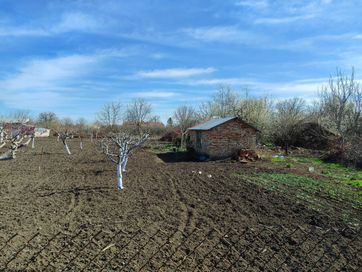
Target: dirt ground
x=44, y=190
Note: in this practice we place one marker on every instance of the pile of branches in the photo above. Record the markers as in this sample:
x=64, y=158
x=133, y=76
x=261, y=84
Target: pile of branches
x=246, y=155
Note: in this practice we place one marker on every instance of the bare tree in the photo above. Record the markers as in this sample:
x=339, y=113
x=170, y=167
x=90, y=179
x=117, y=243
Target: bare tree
x=356, y=113
x=16, y=142
x=64, y=136
x=48, y=120
x=337, y=102
x=185, y=117
x=118, y=147
x=11, y=153
x=223, y=104
x=2, y=134
x=67, y=124
x=257, y=112
x=288, y=117
x=66, y=131
x=138, y=112
x=110, y=115
x=340, y=110
x=21, y=116
x=155, y=119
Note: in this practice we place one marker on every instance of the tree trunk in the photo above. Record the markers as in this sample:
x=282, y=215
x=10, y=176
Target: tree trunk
x=33, y=143
x=124, y=164
x=81, y=144
x=183, y=134
x=67, y=147
x=119, y=177
x=286, y=148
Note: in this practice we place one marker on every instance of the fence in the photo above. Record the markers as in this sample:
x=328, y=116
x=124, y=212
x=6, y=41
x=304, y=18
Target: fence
x=259, y=248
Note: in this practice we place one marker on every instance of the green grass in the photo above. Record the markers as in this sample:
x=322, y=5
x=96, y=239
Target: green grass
x=335, y=171
x=356, y=183
x=291, y=180
x=331, y=186
x=306, y=188
x=278, y=159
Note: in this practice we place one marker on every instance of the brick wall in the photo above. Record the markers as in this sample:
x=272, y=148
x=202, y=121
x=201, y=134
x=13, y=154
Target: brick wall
x=224, y=140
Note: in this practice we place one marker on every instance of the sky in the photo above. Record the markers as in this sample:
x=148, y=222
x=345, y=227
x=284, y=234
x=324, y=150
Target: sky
x=73, y=56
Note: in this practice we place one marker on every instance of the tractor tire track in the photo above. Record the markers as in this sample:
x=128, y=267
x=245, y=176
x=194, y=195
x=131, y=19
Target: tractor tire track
x=187, y=213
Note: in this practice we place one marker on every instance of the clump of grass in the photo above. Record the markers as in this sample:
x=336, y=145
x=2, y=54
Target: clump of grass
x=335, y=190
x=335, y=171
x=356, y=183
x=291, y=179
x=235, y=175
x=277, y=159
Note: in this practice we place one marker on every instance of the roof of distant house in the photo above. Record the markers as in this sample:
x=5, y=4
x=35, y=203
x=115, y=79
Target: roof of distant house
x=214, y=122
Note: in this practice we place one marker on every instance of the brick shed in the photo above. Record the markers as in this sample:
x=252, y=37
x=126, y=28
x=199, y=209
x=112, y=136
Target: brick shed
x=221, y=137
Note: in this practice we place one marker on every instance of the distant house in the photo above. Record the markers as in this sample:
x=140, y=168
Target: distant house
x=42, y=132
x=221, y=137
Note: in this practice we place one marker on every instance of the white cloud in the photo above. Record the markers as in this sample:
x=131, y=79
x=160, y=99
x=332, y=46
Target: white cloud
x=22, y=32
x=220, y=81
x=286, y=12
x=302, y=88
x=175, y=73
x=256, y=4
x=119, y=52
x=158, y=56
x=155, y=94
x=314, y=41
x=77, y=21
x=293, y=88
x=48, y=73
x=223, y=34
x=44, y=100
x=283, y=20
x=69, y=22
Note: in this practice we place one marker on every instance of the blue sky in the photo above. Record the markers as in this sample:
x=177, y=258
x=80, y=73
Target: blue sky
x=71, y=57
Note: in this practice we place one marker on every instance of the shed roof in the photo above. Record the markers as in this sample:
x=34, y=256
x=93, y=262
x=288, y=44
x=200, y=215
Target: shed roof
x=214, y=122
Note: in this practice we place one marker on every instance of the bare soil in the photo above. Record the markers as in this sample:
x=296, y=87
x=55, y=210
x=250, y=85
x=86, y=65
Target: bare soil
x=45, y=190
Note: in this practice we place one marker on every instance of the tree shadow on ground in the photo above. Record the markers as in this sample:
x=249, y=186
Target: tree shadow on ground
x=174, y=157
x=78, y=190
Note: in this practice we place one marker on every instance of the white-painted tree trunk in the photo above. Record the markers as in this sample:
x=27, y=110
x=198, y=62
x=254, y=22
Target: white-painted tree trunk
x=58, y=138
x=7, y=155
x=81, y=144
x=67, y=148
x=33, y=143
x=119, y=177
x=27, y=143
x=1, y=136
x=124, y=163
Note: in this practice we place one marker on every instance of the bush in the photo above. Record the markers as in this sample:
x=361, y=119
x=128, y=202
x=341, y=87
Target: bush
x=170, y=136
x=348, y=152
